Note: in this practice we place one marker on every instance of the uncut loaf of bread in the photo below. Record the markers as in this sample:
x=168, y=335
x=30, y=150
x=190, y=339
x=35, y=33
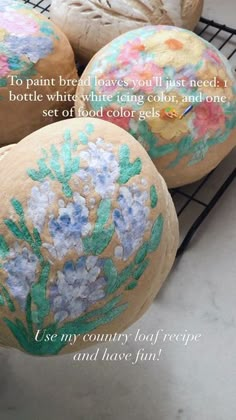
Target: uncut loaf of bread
x=33, y=54
x=173, y=91
x=91, y=24
x=89, y=240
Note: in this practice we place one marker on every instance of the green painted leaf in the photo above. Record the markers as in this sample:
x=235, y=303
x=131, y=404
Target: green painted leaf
x=55, y=153
x=174, y=162
x=67, y=158
x=101, y=237
x=110, y=272
x=101, y=311
x=25, y=231
x=37, y=238
x=89, y=128
x=29, y=316
x=19, y=332
x=8, y=299
x=128, y=169
x=3, y=83
x=184, y=145
x=132, y=285
x=55, y=165
x=83, y=138
x=67, y=191
x=122, y=277
x=103, y=214
x=198, y=66
x=35, y=175
x=22, y=328
x=39, y=296
x=199, y=151
x=92, y=325
x=28, y=342
x=17, y=207
x=12, y=226
x=156, y=234
x=148, y=137
x=75, y=165
x=163, y=150
x=153, y=196
x=4, y=248
x=126, y=273
x=99, y=241
x=67, y=135
x=60, y=166
x=26, y=74
x=81, y=327
x=140, y=270
x=43, y=169
x=142, y=253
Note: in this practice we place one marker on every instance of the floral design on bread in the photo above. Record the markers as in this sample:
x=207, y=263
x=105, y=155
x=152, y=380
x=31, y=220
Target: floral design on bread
x=140, y=74
x=80, y=225
x=25, y=39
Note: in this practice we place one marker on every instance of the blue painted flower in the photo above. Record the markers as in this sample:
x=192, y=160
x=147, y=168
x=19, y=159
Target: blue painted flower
x=130, y=220
x=32, y=47
x=11, y=5
x=4, y=4
x=103, y=168
x=69, y=227
x=21, y=269
x=40, y=199
x=77, y=286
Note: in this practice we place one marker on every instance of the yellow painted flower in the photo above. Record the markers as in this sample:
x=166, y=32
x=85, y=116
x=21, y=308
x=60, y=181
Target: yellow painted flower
x=2, y=34
x=172, y=47
x=216, y=76
x=168, y=126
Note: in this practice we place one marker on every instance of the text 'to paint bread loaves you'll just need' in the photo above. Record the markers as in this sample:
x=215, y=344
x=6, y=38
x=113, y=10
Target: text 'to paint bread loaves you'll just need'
x=173, y=91
x=88, y=234
x=91, y=24
x=34, y=54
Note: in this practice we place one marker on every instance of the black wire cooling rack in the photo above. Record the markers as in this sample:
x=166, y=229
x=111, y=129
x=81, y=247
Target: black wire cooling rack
x=196, y=201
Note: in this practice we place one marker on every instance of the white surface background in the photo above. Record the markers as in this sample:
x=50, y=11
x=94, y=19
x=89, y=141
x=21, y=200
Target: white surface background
x=193, y=383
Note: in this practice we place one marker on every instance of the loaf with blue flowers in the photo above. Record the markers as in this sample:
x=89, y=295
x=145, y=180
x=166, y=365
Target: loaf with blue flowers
x=88, y=234
x=34, y=53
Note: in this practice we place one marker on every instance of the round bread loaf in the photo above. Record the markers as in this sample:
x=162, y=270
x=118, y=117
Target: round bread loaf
x=91, y=24
x=88, y=234
x=5, y=150
x=33, y=55
x=173, y=91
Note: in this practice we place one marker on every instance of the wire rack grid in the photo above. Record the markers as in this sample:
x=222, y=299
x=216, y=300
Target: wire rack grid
x=196, y=201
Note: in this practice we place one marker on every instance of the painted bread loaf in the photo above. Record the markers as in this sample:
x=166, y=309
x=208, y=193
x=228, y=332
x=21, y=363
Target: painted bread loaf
x=34, y=53
x=88, y=234
x=173, y=91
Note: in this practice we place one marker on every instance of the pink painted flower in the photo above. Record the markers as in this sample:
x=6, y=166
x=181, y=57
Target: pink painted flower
x=121, y=121
x=4, y=68
x=209, y=116
x=18, y=23
x=213, y=56
x=146, y=73
x=131, y=51
x=110, y=82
